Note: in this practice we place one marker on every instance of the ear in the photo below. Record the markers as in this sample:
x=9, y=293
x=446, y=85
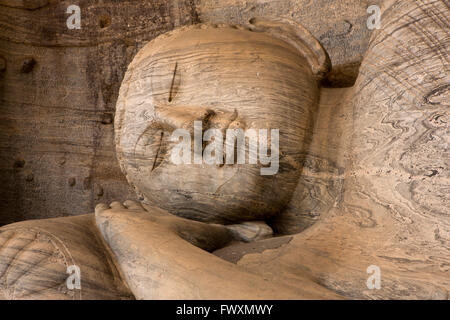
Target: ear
x=297, y=36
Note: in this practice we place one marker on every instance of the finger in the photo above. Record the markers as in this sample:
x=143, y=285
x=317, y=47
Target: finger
x=101, y=207
x=116, y=205
x=133, y=205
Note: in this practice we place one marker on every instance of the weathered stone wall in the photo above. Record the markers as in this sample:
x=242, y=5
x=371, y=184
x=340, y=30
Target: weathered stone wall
x=58, y=87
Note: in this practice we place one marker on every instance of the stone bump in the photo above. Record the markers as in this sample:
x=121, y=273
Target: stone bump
x=28, y=65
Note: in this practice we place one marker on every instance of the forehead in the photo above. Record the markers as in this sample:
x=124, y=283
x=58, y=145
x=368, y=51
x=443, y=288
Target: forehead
x=219, y=67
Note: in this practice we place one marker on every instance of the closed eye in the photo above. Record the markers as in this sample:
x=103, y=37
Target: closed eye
x=174, y=84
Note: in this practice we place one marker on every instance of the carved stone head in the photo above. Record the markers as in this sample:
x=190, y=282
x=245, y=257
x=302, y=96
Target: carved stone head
x=262, y=76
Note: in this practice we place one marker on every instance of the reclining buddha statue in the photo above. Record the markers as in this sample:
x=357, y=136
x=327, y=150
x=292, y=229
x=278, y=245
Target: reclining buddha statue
x=255, y=181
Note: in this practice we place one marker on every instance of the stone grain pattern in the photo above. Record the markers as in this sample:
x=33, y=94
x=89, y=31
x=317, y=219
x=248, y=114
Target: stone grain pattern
x=35, y=256
x=58, y=87
x=380, y=151
x=392, y=143
x=390, y=209
x=226, y=78
x=58, y=91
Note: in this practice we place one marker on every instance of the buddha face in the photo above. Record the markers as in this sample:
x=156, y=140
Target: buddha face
x=201, y=80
